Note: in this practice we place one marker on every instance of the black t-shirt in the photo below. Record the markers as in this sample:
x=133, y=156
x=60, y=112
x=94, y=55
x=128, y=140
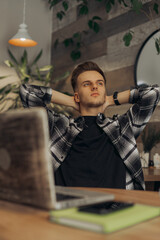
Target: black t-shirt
x=92, y=161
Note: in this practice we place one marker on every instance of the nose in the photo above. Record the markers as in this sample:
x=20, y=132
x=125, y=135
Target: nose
x=94, y=86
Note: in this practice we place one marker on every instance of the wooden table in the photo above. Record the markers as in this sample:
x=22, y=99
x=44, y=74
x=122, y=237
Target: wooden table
x=18, y=222
x=152, y=178
x=151, y=174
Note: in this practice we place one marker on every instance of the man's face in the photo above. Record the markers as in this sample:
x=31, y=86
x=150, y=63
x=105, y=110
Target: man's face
x=90, y=90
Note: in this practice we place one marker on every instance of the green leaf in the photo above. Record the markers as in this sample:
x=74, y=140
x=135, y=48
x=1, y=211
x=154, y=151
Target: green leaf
x=112, y=2
x=77, y=35
x=2, y=77
x=14, y=86
x=23, y=73
x=46, y=68
x=22, y=70
x=16, y=91
x=157, y=45
x=127, y=38
x=108, y=7
x=83, y=9
x=9, y=63
x=52, y=3
x=75, y=55
x=38, y=74
x=68, y=41
x=37, y=58
x=78, y=44
x=24, y=58
x=155, y=8
x=26, y=80
x=48, y=77
x=2, y=89
x=96, y=27
x=60, y=15
x=65, y=5
x=12, y=57
x=8, y=89
x=90, y=24
x=124, y=3
x=136, y=5
x=96, y=18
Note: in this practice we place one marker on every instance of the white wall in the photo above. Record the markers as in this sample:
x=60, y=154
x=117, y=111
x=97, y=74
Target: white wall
x=39, y=21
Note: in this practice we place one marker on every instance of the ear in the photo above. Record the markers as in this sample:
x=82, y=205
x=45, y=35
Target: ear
x=76, y=97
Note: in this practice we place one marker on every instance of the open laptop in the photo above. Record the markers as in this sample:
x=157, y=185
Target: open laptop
x=26, y=172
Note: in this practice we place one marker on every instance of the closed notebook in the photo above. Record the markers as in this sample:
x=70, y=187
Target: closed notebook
x=105, y=223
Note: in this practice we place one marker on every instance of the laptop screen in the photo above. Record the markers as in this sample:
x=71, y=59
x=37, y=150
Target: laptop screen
x=25, y=172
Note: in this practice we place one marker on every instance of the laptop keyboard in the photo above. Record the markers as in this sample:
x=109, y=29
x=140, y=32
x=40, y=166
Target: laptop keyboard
x=62, y=197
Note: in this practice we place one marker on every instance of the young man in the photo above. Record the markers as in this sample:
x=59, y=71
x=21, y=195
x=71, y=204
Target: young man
x=93, y=150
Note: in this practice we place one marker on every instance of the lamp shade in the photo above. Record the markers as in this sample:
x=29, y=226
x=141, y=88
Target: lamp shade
x=22, y=38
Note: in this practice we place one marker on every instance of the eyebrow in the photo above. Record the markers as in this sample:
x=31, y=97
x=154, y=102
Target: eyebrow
x=99, y=80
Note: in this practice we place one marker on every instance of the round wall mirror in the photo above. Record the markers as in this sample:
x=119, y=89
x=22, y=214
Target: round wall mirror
x=147, y=65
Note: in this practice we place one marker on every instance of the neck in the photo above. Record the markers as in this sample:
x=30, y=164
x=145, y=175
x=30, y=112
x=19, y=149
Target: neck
x=90, y=111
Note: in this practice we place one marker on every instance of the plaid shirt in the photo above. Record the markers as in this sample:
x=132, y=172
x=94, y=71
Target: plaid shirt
x=122, y=130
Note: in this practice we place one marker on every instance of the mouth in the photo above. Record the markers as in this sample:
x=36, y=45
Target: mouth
x=95, y=94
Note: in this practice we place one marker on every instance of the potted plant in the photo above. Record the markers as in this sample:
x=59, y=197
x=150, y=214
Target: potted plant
x=28, y=73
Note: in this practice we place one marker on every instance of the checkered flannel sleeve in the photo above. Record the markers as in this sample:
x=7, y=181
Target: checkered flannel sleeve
x=35, y=96
x=145, y=100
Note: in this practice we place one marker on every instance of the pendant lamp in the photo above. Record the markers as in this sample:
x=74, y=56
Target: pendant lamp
x=22, y=38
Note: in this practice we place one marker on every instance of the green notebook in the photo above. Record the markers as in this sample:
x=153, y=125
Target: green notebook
x=105, y=223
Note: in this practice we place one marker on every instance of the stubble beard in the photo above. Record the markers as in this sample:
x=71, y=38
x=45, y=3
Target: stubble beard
x=94, y=104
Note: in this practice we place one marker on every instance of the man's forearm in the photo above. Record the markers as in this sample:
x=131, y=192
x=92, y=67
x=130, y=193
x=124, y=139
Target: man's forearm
x=122, y=97
x=33, y=96
x=62, y=99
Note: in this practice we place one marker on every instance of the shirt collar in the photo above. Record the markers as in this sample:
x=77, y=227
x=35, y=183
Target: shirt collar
x=100, y=117
x=80, y=121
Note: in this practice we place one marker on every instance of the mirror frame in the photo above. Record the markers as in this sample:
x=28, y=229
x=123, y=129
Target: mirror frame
x=138, y=57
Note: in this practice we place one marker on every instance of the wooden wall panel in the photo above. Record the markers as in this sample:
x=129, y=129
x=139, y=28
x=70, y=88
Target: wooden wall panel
x=73, y=18
x=107, y=47
x=119, y=10
x=108, y=27
x=88, y=52
x=120, y=80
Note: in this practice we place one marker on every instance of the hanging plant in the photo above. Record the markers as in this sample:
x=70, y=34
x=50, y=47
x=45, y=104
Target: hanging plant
x=157, y=45
x=94, y=24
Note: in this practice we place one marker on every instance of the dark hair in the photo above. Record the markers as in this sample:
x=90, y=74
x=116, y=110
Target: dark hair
x=86, y=66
